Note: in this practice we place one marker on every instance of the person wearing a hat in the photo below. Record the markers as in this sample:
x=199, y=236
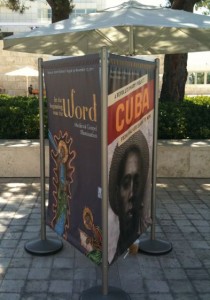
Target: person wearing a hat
x=127, y=179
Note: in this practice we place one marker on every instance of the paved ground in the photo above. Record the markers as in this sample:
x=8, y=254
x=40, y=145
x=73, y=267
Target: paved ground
x=183, y=218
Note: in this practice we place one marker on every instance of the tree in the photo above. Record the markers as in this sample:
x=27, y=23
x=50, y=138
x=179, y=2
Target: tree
x=175, y=65
x=61, y=9
x=204, y=4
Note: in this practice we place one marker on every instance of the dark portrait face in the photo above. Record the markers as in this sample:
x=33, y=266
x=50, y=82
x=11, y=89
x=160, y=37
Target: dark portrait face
x=129, y=191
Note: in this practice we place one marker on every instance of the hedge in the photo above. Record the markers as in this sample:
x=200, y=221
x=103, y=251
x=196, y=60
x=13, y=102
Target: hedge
x=189, y=119
x=19, y=118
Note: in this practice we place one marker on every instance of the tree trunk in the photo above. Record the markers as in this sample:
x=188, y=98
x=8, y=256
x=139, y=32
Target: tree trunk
x=60, y=9
x=174, y=77
x=175, y=65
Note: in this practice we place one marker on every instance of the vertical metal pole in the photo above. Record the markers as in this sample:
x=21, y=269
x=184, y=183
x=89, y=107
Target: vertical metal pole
x=155, y=137
x=104, y=166
x=42, y=246
x=153, y=245
x=42, y=150
x=131, y=41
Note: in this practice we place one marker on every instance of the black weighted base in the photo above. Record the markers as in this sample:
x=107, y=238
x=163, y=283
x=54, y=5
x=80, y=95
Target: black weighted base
x=43, y=247
x=154, y=247
x=95, y=293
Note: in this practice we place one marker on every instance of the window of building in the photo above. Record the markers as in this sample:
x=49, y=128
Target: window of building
x=208, y=78
x=81, y=11
x=200, y=78
x=49, y=14
x=44, y=14
x=191, y=78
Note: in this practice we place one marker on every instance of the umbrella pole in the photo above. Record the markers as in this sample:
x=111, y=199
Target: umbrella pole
x=42, y=246
x=27, y=86
x=131, y=41
x=154, y=246
x=105, y=292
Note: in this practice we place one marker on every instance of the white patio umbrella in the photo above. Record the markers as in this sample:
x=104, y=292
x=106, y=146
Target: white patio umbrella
x=128, y=29
x=26, y=72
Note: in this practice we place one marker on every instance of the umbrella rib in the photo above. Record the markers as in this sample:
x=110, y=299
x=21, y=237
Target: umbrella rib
x=189, y=35
x=108, y=40
x=154, y=38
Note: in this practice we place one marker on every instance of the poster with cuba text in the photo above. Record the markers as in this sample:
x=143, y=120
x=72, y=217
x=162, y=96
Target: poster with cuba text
x=131, y=99
x=73, y=96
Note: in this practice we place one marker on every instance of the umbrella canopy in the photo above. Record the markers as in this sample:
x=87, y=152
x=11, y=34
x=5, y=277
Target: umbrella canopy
x=128, y=29
x=26, y=72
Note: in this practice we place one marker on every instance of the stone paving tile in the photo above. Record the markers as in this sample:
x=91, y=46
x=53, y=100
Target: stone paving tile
x=61, y=286
x=12, y=285
x=61, y=273
x=156, y=286
x=36, y=296
x=182, y=217
x=202, y=286
x=14, y=273
x=10, y=296
x=181, y=286
x=160, y=296
x=175, y=273
x=205, y=296
x=36, y=286
x=35, y=274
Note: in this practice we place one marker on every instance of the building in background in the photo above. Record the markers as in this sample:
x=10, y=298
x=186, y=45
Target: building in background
x=198, y=82
x=38, y=13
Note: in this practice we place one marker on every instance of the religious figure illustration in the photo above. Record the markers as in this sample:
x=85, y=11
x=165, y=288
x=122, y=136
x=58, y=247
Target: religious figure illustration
x=91, y=242
x=63, y=170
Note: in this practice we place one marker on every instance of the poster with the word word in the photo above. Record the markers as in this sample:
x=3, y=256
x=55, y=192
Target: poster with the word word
x=73, y=97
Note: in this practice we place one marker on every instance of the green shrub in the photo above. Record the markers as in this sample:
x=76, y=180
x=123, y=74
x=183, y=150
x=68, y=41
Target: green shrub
x=19, y=118
x=187, y=120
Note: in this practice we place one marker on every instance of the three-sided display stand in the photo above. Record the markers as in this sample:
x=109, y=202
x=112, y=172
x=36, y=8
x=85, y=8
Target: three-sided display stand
x=44, y=246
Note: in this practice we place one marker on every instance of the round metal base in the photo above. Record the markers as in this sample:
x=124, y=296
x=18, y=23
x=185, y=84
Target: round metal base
x=154, y=247
x=43, y=247
x=95, y=293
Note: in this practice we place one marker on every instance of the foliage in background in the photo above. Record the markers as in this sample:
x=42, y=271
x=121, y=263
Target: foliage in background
x=19, y=118
x=187, y=120
x=61, y=9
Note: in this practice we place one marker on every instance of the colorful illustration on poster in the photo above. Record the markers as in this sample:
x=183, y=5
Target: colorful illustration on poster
x=63, y=157
x=92, y=243
x=74, y=120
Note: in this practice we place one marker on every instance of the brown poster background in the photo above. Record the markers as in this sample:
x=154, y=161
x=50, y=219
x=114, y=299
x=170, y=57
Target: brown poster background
x=130, y=144
x=73, y=94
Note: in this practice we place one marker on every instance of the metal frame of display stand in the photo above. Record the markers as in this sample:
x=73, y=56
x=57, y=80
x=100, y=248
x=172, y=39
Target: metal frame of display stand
x=104, y=292
x=42, y=245
x=152, y=245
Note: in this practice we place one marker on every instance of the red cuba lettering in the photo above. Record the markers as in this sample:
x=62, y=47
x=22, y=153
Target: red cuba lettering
x=131, y=109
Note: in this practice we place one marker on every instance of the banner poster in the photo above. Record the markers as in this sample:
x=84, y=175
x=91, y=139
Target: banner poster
x=74, y=208
x=130, y=144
